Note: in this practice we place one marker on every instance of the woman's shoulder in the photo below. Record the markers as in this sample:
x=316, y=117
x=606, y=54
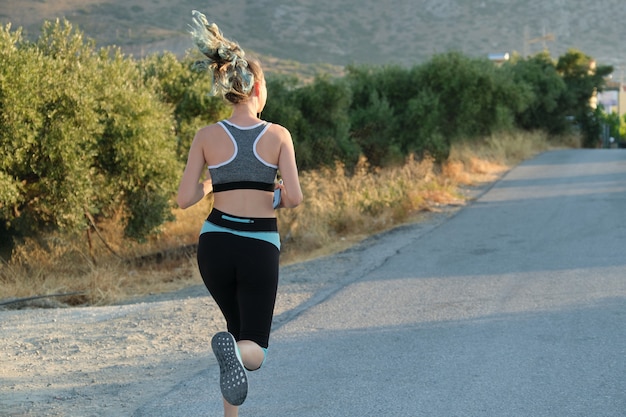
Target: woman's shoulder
x=279, y=130
x=210, y=136
x=209, y=130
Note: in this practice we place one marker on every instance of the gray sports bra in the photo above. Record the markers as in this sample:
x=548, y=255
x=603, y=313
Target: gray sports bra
x=245, y=169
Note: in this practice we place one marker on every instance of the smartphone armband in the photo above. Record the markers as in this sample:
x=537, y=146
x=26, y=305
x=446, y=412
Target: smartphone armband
x=276, y=198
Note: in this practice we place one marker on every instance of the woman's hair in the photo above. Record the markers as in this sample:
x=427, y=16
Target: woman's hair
x=233, y=76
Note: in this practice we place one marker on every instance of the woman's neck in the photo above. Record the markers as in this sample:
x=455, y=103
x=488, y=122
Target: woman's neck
x=243, y=114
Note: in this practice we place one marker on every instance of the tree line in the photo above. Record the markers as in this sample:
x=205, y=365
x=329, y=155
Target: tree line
x=87, y=132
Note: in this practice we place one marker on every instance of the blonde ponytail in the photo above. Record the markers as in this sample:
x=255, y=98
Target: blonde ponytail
x=232, y=75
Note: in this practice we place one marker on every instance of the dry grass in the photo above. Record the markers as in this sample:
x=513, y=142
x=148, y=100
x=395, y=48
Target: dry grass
x=343, y=208
x=339, y=210
x=486, y=160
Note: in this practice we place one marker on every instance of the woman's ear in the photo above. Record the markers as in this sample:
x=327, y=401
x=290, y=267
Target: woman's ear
x=257, y=88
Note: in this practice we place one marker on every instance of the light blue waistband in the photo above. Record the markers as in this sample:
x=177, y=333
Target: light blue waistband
x=270, y=237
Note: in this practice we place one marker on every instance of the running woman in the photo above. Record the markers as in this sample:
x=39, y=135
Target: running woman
x=238, y=159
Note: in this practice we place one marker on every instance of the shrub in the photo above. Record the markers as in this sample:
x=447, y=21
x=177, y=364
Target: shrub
x=80, y=135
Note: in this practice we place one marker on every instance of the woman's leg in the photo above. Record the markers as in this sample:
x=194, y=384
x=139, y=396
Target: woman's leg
x=257, y=283
x=252, y=354
x=217, y=261
x=253, y=357
x=230, y=410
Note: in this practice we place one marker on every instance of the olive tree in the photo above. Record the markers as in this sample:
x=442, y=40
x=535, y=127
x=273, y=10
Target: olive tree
x=81, y=135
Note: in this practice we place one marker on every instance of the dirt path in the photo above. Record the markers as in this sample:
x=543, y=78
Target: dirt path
x=107, y=361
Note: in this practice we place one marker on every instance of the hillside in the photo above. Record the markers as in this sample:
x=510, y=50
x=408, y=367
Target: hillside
x=341, y=32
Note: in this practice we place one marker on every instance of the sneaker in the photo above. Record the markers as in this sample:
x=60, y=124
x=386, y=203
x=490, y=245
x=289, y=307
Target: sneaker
x=233, y=378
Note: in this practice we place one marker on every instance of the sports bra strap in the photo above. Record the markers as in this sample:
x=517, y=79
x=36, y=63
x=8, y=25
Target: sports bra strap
x=243, y=185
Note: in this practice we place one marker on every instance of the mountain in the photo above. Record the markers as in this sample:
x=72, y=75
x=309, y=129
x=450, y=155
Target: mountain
x=342, y=32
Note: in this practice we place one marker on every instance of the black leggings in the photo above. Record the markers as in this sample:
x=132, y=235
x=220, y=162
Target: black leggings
x=241, y=272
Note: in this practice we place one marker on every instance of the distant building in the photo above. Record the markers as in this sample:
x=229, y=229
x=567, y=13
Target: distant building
x=499, y=58
x=613, y=98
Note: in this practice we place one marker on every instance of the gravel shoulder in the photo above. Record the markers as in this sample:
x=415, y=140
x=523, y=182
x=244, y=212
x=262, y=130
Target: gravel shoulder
x=107, y=361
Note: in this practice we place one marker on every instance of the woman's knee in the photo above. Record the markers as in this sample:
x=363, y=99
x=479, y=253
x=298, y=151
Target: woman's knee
x=252, y=354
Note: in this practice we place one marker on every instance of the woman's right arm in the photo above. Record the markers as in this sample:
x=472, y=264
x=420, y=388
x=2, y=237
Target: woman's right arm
x=291, y=192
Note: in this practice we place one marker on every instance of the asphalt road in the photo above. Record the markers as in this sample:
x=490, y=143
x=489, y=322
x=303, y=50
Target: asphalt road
x=513, y=306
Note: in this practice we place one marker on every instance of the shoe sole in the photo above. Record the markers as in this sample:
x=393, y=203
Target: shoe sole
x=233, y=378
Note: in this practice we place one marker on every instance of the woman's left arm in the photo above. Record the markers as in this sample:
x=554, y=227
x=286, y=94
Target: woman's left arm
x=191, y=190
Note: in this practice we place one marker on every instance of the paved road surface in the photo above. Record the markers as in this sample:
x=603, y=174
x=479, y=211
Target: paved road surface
x=514, y=306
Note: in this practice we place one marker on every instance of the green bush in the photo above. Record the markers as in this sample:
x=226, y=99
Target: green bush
x=546, y=88
x=80, y=134
x=317, y=117
x=325, y=127
x=49, y=129
x=582, y=78
x=397, y=111
x=379, y=97
x=136, y=150
x=473, y=96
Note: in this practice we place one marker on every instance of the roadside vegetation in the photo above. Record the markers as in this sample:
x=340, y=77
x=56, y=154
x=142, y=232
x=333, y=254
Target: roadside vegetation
x=92, y=144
